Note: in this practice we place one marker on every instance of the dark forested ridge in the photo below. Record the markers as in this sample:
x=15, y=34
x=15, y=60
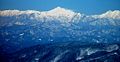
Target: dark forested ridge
x=66, y=52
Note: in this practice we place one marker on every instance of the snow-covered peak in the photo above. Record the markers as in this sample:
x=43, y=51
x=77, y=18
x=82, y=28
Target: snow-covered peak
x=60, y=14
x=110, y=15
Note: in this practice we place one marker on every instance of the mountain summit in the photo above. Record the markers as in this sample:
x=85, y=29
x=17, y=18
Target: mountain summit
x=110, y=14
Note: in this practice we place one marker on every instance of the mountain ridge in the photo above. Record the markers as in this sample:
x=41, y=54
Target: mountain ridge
x=58, y=11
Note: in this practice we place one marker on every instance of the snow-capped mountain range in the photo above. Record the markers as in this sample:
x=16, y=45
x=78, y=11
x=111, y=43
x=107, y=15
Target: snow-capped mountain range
x=55, y=14
x=59, y=14
x=57, y=25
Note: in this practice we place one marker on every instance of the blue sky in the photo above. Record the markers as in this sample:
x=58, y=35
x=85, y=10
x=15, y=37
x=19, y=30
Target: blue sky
x=84, y=6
